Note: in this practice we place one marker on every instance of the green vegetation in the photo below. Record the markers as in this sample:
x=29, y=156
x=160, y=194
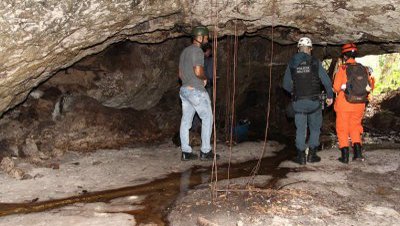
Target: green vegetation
x=389, y=76
x=326, y=63
x=386, y=71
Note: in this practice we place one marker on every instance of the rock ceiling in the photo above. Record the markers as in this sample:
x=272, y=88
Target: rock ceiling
x=39, y=38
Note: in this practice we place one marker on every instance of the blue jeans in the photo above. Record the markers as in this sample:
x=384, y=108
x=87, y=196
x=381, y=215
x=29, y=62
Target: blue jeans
x=303, y=120
x=193, y=101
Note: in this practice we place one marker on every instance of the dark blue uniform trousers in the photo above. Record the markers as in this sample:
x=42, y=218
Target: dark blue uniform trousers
x=308, y=113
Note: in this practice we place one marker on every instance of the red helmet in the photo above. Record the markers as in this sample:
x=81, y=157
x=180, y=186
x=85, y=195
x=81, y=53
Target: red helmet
x=349, y=47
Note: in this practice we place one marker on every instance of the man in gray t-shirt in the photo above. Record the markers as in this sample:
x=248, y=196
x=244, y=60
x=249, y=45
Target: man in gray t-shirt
x=194, y=96
x=191, y=57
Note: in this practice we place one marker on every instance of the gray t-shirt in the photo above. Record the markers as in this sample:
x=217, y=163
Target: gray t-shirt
x=190, y=57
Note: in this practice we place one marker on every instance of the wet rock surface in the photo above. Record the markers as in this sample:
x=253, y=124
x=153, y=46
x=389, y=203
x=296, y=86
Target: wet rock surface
x=107, y=169
x=74, y=215
x=81, y=174
x=323, y=193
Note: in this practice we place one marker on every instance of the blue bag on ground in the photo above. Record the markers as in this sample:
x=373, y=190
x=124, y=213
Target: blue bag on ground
x=241, y=131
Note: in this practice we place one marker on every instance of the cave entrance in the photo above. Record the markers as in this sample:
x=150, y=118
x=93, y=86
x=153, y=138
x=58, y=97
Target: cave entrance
x=386, y=70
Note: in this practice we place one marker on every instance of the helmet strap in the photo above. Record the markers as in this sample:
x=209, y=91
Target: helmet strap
x=202, y=39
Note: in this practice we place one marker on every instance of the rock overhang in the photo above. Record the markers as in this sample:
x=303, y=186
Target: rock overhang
x=38, y=38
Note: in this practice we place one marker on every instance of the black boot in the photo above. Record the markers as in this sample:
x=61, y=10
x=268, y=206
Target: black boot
x=301, y=157
x=208, y=156
x=345, y=155
x=186, y=156
x=312, y=155
x=357, y=152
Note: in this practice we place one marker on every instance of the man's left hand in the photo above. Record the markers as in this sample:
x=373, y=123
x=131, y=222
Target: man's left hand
x=205, y=82
x=329, y=101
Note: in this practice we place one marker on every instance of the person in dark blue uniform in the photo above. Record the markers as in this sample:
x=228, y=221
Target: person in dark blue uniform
x=303, y=77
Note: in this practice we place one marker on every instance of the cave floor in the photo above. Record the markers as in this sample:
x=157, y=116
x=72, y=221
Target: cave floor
x=324, y=193
x=108, y=187
x=151, y=186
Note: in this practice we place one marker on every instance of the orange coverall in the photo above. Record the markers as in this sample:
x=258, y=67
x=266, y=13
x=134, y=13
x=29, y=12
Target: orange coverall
x=348, y=115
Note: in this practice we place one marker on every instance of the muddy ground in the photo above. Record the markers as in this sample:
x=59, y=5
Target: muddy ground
x=325, y=193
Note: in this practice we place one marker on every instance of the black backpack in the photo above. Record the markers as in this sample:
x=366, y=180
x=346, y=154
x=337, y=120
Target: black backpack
x=357, y=81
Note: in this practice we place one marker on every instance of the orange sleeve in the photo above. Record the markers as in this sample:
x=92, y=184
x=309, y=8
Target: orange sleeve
x=372, y=82
x=339, y=80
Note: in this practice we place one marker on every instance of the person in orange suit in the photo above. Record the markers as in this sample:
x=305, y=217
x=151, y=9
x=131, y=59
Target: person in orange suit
x=350, y=104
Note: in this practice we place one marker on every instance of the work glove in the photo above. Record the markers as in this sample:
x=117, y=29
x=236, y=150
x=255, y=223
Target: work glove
x=368, y=88
x=343, y=87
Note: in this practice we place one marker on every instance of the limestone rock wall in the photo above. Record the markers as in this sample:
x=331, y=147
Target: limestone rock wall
x=128, y=94
x=125, y=95
x=126, y=75
x=38, y=38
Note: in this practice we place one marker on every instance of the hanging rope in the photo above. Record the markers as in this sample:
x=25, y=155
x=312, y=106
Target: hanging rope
x=230, y=105
x=257, y=167
x=215, y=47
x=230, y=95
x=228, y=89
x=232, y=119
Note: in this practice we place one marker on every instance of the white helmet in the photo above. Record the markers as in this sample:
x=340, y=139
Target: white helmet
x=304, y=41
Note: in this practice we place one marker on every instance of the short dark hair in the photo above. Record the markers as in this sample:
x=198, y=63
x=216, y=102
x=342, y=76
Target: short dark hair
x=351, y=54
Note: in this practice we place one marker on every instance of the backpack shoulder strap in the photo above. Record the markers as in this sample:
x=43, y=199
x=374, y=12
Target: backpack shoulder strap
x=314, y=63
x=351, y=64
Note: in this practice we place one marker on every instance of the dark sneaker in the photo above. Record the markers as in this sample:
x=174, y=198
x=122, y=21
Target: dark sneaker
x=207, y=156
x=186, y=156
